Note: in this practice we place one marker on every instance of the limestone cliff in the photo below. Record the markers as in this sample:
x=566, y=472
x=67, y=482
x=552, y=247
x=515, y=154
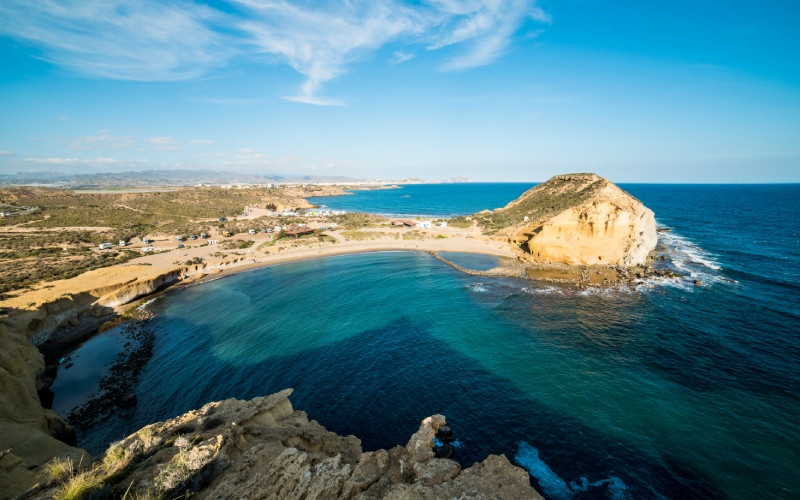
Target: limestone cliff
x=576, y=219
x=263, y=448
x=30, y=434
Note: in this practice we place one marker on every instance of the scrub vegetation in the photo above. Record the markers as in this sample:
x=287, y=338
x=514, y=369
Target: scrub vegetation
x=538, y=204
x=50, y=234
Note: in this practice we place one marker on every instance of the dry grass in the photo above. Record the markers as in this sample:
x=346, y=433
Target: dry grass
x=79, y=486
x=59, y=468
x=363, y=235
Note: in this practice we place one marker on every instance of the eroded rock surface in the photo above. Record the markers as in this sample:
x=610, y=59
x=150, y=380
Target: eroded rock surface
x=263, y=448
x=578, y=219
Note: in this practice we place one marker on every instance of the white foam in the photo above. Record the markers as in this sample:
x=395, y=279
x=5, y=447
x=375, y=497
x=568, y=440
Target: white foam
x=606, y=292
x=691, y=261
x=478, y=287
x=556, y=488
x=547, y=290
x=144, y=305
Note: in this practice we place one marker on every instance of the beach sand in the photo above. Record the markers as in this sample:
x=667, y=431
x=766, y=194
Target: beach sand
x=212, y=260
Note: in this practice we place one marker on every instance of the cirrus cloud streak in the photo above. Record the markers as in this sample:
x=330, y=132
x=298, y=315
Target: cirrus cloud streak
x=148, y=40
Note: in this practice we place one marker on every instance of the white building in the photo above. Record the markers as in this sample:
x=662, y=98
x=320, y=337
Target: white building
x=423, y=224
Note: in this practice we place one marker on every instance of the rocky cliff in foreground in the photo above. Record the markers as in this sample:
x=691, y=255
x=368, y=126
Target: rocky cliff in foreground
x=263, y=448
x=576, y=219
x=29, y=434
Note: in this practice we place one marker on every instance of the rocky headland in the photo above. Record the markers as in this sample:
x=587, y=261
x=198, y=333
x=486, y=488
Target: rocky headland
x=576, y=220
x=577, y=228
x=263, y=448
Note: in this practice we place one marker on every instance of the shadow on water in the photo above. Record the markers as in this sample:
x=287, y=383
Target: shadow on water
x=380, y=383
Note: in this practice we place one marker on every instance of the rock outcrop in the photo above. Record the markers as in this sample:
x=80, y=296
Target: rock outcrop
x=577, y=219
x=29, y=434
x=263, y=448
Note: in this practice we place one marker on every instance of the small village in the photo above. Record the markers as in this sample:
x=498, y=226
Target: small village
x=261, y=225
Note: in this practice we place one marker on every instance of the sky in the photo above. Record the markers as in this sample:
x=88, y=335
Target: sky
x=493, y=90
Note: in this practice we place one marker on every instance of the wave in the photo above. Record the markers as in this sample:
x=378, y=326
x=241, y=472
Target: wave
x=693, y=262
x=144, y=305
x=547, y=290
x=478, y=287
x=556, y=488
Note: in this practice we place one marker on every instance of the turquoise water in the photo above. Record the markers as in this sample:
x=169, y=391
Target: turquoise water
x=668, y=390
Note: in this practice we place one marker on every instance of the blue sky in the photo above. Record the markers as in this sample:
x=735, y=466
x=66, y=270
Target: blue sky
x=494, y=90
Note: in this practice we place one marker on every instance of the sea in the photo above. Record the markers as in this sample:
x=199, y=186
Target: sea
x=663, y=389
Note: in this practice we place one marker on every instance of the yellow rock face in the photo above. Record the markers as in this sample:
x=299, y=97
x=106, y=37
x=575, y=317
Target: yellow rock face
x=607, y=226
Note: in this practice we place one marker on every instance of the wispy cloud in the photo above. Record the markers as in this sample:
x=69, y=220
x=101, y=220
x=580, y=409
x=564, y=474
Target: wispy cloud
x=144, y=40
x=164, y=143
x=98, y=162
x=200, y=142
x=150, y=40
x=485, y=27
x=101, y=141
x=53, y=161
x=399, y=57
x=319, y=40
x=222, y=101
x=5, y=153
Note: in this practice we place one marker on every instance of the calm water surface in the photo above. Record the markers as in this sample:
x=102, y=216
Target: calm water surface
x=668, y=390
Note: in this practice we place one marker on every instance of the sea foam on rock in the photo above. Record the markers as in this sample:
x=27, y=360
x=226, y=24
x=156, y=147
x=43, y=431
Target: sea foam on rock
x=263, y=448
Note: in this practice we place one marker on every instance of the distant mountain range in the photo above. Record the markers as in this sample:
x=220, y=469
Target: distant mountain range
x=152, y=178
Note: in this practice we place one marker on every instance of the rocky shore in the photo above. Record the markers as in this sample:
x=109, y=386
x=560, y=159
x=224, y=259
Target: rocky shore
x=263, y=448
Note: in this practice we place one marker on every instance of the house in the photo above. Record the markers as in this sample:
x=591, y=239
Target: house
x=298, y=231
x=404, y=222
x=148, y=249
x=334, y=225
x=105, y=246
x=277, y=229
x=423, y=224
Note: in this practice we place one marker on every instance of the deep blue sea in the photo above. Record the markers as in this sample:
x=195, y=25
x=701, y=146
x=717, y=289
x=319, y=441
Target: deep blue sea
x=666, y=390
x=427, y=200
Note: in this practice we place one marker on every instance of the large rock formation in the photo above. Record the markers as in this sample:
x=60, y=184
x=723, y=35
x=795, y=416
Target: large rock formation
x=29, y=434
x=262, y=448
x=576, y=219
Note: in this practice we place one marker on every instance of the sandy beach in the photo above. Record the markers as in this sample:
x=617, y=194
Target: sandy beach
x=200, y=260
